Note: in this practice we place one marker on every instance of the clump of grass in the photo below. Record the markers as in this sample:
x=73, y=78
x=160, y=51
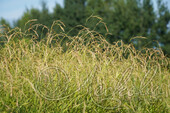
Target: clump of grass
x=83, y=74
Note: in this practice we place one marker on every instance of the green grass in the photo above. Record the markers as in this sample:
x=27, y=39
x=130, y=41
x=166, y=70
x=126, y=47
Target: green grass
x=86, y=74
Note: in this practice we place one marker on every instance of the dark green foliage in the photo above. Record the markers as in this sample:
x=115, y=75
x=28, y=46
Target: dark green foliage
x=58, y=13
x=124, y=19
x=3, y=21
x=74, y=14
x=162, y=30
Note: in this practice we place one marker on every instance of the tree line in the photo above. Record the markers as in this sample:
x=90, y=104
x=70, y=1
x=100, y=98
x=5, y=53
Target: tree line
x=124, y=19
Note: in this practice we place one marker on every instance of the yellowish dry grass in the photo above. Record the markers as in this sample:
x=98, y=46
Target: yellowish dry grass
x=83, y=74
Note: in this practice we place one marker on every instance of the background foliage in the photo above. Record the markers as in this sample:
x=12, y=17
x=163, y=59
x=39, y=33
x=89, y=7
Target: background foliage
x=124, y=19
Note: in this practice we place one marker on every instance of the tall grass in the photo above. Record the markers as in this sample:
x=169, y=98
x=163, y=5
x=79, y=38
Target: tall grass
x=83, y=74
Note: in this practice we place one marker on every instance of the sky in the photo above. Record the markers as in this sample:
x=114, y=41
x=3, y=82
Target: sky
x=12, y=10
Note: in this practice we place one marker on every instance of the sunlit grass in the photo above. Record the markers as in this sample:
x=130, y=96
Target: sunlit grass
x=85, y=74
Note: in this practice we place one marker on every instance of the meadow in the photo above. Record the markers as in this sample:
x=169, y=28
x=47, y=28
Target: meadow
x=84, y=74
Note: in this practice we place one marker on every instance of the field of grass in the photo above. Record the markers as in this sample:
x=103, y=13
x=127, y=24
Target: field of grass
x=84, y=75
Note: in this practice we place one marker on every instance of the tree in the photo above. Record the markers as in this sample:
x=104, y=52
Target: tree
x=74, y=14
x=4, y=22
x=4, y=27
x=124, y=19
x=162, y=29
x=58, y=13
x=131, y=18
x=45, y=17
x=100, y=8
x=22, y=21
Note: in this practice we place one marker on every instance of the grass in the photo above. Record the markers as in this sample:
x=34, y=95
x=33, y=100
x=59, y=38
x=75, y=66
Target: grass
x=85, y=74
